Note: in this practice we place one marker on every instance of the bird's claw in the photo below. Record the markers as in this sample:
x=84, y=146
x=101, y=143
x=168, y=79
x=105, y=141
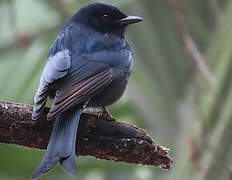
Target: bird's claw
x=105, y=116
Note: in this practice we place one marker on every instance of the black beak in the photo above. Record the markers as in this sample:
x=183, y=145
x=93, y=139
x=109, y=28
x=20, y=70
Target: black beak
x=130, y=20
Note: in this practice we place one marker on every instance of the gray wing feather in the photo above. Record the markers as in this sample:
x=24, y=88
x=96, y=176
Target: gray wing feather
x=57, y=67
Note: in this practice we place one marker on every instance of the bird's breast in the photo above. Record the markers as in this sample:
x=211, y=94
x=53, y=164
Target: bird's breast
x=121, y=59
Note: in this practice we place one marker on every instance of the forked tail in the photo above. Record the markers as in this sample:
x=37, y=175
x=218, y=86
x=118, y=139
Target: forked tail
x=61, y=146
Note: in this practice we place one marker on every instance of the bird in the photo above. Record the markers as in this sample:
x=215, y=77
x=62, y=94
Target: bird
x=88, y=66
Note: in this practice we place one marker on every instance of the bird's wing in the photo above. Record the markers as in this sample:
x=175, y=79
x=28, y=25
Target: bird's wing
x=74, y=76
x=57, y=67
x=79, y=92
x=74, y=84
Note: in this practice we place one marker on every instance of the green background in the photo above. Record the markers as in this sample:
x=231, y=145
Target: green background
x=179, y=91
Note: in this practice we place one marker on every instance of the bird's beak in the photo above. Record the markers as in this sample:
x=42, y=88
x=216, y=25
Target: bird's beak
x=130, y=20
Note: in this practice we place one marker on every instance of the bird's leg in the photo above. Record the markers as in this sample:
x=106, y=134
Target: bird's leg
x=105, y=115
x=86, y=103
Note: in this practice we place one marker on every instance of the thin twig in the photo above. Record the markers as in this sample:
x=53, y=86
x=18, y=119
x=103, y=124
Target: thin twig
x=190, y=44
x=12, y=17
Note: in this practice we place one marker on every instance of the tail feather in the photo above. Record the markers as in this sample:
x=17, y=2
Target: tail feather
x=69, y=165
x=61, y=146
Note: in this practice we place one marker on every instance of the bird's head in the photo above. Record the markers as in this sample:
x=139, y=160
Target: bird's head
x=105, y=18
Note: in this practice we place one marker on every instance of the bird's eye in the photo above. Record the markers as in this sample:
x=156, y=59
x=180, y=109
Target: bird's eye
x=106, y=17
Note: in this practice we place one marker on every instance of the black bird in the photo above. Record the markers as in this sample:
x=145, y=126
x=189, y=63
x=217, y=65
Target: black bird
x=88, y=66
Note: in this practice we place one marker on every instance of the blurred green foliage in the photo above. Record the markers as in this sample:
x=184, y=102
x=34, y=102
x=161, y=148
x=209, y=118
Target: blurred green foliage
x=168, y=94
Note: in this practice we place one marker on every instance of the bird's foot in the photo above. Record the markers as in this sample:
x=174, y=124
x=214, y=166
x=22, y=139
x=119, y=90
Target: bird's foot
x=105, y=115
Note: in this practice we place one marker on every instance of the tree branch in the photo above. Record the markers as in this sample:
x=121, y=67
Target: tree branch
x=99, y=138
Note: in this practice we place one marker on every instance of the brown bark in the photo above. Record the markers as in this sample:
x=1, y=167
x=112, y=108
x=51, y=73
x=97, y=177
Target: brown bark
x=99, y=138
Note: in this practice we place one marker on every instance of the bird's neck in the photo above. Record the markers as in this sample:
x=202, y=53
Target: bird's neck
x=105, y=41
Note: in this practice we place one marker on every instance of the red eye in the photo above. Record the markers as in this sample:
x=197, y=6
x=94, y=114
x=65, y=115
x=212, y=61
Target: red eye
x=106, y=17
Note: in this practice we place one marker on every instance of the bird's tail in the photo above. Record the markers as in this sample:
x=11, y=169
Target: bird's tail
x=61, y=146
